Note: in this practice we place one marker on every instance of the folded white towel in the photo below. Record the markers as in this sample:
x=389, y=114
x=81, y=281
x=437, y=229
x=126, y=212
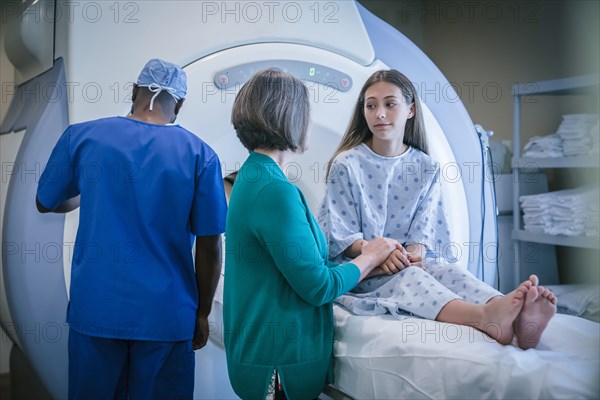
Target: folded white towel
x=571, y=212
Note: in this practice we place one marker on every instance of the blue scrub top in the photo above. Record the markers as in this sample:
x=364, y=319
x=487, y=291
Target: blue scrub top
x=144, y=189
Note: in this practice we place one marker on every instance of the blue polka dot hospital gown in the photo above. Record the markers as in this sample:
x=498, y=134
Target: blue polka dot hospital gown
x=369, y=195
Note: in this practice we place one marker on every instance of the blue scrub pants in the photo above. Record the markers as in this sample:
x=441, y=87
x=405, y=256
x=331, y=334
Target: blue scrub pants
x=101, y=368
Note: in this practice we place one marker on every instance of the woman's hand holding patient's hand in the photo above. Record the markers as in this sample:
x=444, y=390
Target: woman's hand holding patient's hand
x=374, y=253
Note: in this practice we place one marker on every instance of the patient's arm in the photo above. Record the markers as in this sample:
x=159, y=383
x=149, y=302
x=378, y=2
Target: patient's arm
x=355, y=249
x=376, y=272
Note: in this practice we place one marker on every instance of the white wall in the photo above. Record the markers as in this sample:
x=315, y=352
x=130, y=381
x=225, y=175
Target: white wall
x=484, y=47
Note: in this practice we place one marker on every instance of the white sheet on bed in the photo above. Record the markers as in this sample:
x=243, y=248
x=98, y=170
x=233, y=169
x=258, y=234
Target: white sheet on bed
x=582, y=300
x=380, y=357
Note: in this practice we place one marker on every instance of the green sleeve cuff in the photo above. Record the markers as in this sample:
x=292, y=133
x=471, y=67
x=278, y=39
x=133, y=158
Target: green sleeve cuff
x=351, y=275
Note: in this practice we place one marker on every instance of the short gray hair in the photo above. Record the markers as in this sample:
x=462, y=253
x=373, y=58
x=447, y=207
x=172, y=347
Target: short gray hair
x=272, y=111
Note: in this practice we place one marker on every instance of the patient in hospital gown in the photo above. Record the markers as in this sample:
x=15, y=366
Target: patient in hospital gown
x=381, y=183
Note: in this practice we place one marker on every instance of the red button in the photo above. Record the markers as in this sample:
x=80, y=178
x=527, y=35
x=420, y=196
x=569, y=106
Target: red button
x=345, y=82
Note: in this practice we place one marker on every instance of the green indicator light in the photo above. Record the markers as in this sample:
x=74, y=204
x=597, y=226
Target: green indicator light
x=311, y=72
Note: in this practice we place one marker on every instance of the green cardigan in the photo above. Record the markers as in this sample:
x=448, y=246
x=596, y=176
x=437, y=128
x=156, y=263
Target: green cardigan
x=279, y=287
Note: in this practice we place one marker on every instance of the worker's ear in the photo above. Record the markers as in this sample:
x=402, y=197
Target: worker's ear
x=134, y=92
x=178, y=106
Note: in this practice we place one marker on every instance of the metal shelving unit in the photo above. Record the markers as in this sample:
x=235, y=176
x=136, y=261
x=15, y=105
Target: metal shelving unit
x=587, y=242
x=585, y=84
x=562, y=162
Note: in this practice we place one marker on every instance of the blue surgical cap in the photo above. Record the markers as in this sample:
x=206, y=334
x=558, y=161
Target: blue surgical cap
x=158, y=75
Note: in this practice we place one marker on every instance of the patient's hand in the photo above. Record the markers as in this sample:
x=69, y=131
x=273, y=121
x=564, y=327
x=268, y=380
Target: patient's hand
x=396, y=262
x=416, y=260
x=416, y=254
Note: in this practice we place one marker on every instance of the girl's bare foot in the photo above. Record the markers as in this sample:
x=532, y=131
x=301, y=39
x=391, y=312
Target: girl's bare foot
x=500, y=314
x=539, y=307
x=534, y=280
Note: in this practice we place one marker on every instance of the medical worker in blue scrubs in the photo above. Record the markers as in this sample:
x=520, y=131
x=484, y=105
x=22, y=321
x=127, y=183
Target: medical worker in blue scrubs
x=139, y=301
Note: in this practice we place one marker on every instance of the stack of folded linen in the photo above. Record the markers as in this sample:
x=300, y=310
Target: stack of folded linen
x=595, y=134
x=572, y=212
x=544, y=146
x=576, y=135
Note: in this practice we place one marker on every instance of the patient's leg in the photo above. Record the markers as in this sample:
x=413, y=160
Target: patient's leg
x=538, y=309
x=494, y=318
x=462, y=282
x=411, y=290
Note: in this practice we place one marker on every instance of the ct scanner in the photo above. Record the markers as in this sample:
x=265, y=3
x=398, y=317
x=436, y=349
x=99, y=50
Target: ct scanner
x=76, y=61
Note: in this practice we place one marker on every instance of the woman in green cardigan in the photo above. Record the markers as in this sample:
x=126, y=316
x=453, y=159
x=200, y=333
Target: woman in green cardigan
x=279, y=286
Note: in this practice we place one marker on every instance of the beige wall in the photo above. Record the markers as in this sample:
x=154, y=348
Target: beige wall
x=491, y=45
x=485, y=47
